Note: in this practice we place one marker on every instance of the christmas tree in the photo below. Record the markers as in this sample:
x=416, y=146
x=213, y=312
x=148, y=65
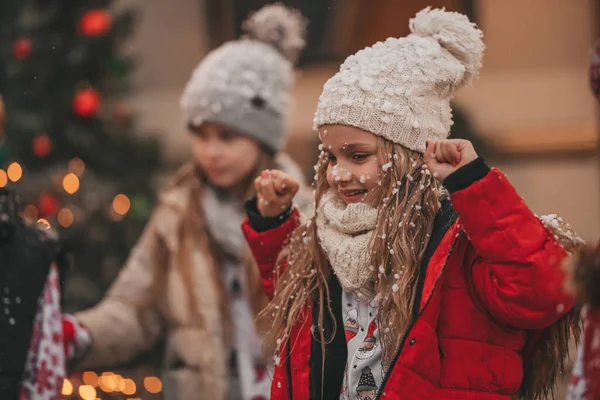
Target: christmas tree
x=70, y=148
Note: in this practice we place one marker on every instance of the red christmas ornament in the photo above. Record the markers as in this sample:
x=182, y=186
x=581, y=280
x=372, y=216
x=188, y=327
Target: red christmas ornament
x=86, y=103
x=95, y=23
x=22, y=48
x=47, y=205
x=42, y=146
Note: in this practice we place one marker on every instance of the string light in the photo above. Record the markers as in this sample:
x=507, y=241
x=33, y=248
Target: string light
x=153, y=384
x=127, y=386
x=89, y=378
x=77, y=166
x=15, y=172
x=121, y=204
x=71, y=183
x=65, y=219
x=87, y=392
x=67, y=388
x=108, y=382
x=3, y=178
x=103, y=383
x=44, y=222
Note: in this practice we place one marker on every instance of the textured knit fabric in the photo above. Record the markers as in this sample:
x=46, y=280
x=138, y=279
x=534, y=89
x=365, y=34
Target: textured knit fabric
x=401, y=89
x=344, y=233
x=245, y=84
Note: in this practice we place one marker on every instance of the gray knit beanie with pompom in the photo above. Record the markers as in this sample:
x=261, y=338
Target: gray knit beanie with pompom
x=246, y=84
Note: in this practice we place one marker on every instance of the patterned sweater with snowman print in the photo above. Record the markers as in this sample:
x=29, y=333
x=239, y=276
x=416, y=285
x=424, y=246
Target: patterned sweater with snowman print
x=365, y=369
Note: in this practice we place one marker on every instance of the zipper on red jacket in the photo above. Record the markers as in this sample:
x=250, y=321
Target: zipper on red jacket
x=397, y=355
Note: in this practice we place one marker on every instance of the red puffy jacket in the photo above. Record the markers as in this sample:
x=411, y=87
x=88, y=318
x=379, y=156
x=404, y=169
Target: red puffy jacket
x=491, y=273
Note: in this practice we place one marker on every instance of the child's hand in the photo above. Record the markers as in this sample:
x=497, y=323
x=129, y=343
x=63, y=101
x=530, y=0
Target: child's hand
x=446, y=156
x=275, y=191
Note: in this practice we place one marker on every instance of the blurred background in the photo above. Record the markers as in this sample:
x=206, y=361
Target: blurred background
x=531, y=113
x=95, y=128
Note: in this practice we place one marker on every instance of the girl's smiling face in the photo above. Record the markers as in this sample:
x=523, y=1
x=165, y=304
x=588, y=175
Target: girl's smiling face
x=353, y=169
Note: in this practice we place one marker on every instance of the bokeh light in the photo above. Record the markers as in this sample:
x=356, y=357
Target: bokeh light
x=65, y=219
x=67, y=388
x=71, y=183
x=77, y=166
x=14, y=171
x=89, y=378
x=44, y=222
x=153, y=384
x=3, y=178
x=121, y=204
x=127, y=386
x=87, y=392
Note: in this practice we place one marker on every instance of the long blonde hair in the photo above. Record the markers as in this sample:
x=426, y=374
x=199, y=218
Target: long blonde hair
x=409, y=198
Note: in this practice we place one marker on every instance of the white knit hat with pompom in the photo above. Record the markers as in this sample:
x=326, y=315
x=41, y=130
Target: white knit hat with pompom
x=246, y=84
x=401, y=89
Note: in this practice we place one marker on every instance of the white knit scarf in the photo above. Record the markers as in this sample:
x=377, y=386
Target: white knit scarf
x=224, y=215
x=344, y=233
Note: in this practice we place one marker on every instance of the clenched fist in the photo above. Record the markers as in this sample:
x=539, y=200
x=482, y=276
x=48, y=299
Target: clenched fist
x=275, y=191
x=446, y=156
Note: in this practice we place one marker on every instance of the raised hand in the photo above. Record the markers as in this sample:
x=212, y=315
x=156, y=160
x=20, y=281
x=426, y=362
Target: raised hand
x=446, y=156
x=275, y=191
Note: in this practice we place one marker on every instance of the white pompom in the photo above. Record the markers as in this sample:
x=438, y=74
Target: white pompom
x=455, y=33
x=282, y=27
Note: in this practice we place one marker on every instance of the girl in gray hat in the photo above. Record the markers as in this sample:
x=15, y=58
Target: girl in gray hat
x=189, y=278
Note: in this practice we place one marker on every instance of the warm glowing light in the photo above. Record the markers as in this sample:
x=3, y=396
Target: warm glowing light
x=15, y=172
x=127, y=386
x=89, y=378
x=121, y=385
x=121, y=204
x=45, y=222
x=65, y=219
x=113, y=382
x=102, y=384
x=108, y=382
x=87, y=392
x=67, y=388
x=3, y=178
x=153, y=384
x=30, y=213
x=77, y=166
x=71, y=183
